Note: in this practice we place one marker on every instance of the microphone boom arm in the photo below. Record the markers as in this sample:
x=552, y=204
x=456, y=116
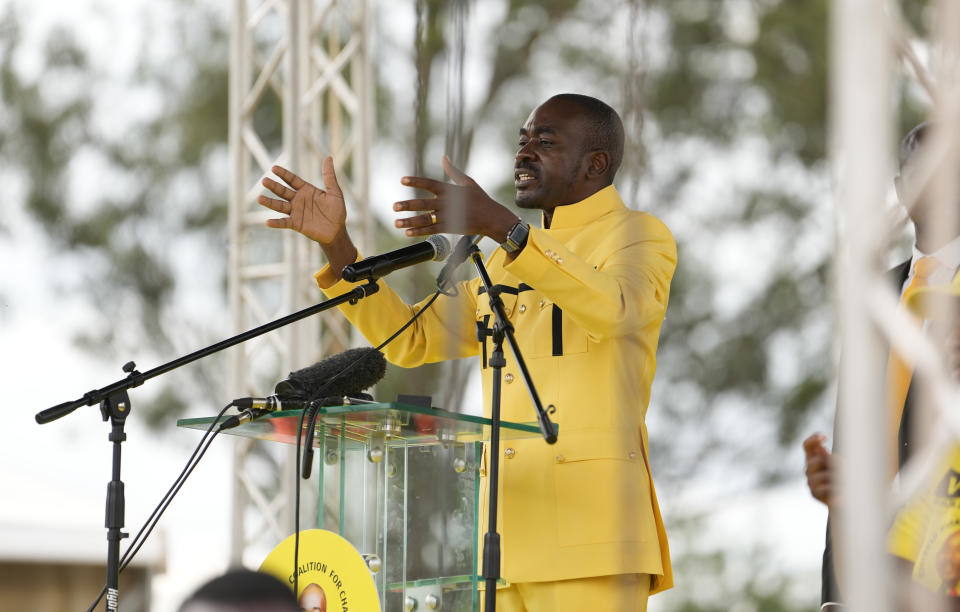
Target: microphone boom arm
x=135, y=379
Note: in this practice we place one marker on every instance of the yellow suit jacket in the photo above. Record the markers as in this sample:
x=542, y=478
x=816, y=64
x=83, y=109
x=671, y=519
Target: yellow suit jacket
x=586, y=297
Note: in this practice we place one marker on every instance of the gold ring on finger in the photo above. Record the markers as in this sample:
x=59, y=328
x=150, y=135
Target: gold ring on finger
x=433, y=218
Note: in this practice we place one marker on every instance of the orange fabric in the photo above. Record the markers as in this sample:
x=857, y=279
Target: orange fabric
x=899, y=370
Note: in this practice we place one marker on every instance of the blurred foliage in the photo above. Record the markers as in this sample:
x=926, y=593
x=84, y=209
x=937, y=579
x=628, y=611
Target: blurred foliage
x=159, y=192
x=738, y=70
x=746, y=583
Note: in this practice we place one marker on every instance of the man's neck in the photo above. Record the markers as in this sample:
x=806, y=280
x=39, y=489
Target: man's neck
x=547, y=218
x=931, y=239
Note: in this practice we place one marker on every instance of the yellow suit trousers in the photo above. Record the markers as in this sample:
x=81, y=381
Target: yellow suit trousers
x=620, y=593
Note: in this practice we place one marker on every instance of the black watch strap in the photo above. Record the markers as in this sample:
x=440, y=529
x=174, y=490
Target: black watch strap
x=516, y=237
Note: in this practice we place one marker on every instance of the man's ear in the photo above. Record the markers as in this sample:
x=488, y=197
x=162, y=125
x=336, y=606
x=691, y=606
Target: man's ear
x=598, y=164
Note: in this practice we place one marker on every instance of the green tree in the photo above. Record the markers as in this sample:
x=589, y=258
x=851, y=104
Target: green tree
x=723, y=84
x=162, y=192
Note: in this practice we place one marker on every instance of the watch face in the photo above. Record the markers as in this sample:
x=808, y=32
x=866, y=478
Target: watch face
x=517, y=237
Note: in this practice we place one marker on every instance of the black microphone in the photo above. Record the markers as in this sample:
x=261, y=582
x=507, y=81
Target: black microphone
x=361, y=368
x=460, y=254
x=348, y=373
x=436, y=247
x=366, y=366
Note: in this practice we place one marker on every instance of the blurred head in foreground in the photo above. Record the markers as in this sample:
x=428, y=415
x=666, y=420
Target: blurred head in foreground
x=242, y=591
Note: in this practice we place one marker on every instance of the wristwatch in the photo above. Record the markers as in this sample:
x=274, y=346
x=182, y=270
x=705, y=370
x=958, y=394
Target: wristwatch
x=516, y=237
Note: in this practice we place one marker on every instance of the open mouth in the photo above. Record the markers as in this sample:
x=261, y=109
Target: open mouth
x=523, y=178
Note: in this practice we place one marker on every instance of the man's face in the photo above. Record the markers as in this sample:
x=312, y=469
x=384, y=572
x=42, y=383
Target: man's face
x=920, y=185
x=549, y=165
x=313, y=599
x=908, y=185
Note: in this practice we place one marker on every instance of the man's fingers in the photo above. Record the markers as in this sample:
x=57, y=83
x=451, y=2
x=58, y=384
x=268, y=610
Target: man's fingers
x=813, y=445
x=282, y=223
x=824, y=494
x=419, y=182
x=288, y=177
x=281, y=190
x=416, y=204
x=458, y=176
x=280, y=206
x=817, y=464
x=426, y=230
x=417, y=221
x=330, y=177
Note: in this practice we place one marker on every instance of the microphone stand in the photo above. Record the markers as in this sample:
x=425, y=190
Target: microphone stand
x=115, y=406
x=502, y=328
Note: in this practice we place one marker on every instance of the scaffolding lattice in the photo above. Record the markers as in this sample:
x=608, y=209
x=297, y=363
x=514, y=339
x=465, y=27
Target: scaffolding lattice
x=308, y=61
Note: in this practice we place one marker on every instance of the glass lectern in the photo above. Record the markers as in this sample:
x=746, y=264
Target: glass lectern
x=401, y=484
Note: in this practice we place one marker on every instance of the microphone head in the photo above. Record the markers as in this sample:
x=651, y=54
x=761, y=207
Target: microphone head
x=361, y=368
x=441, y=246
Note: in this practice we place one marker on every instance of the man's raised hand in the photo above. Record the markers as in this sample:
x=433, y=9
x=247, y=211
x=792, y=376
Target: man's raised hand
x=461, y=208
x=318, y=214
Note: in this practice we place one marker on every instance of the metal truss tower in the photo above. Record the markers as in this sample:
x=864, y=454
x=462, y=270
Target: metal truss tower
x=299, y=91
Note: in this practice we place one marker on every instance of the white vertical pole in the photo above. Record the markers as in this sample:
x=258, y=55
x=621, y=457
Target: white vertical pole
x=862, y=130
x=239, y=83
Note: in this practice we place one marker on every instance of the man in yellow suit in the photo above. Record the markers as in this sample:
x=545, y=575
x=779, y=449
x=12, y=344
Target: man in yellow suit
x=586, y=294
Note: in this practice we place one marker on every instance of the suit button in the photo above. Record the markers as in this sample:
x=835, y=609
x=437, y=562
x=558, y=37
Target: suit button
x=558, y=259
x=561, y=459
x=632, y=455
x=523, y=308
x=542, y=303
x=507, y=311
x=508, y=378
x=548, y=253
x=509, y=453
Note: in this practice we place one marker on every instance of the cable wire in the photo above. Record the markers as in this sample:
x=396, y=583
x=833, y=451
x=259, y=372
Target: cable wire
x=314, y=413
x=147, y=528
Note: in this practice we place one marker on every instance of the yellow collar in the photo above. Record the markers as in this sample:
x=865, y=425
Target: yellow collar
x=583, y=212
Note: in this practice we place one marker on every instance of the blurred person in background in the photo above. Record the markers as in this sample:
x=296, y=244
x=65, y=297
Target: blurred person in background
x=587, y=293
x=935, y=260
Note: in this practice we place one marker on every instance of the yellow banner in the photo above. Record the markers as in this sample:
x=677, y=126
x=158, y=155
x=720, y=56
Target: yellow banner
x=332, y=575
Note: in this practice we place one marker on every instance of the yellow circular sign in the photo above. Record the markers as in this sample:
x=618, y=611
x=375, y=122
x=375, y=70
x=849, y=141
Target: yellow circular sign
x=332, y=576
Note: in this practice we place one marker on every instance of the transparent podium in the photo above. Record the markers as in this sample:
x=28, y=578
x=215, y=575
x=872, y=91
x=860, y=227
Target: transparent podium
x=400, y=483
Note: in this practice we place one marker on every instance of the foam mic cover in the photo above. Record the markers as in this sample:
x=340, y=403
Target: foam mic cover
x=347, y=373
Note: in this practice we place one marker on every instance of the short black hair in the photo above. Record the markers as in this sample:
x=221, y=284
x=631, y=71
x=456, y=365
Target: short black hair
x=912, y=141
x=245, y=588
x=606, y=128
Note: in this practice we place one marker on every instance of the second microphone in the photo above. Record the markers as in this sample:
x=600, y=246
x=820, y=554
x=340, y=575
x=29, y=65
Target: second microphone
x=435, y=248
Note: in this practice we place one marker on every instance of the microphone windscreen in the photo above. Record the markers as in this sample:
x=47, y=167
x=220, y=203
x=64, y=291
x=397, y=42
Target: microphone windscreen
x=441, y=246
x=362, y=368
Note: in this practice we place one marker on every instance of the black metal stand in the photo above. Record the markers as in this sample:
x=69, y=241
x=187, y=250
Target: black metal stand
x=115, y=406
x=501, y=329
